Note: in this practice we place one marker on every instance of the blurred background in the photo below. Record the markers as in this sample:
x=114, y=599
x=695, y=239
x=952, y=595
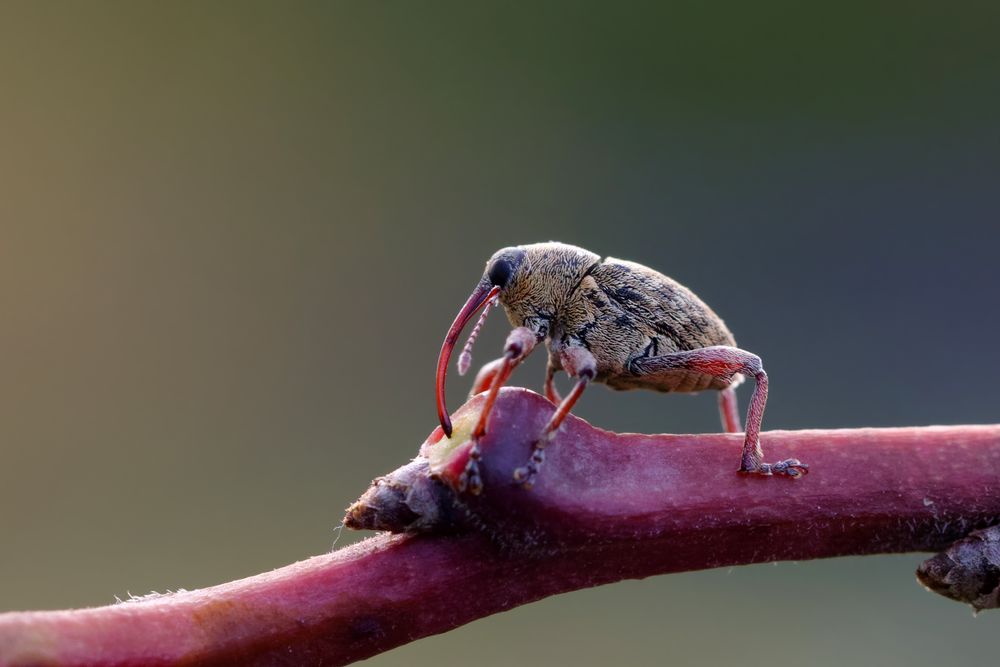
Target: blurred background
x=232, y=236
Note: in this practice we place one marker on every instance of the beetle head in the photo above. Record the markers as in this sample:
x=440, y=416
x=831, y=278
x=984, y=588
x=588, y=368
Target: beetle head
x=505, y=268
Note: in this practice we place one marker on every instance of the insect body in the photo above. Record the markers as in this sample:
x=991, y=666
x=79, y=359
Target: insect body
x=610, y=321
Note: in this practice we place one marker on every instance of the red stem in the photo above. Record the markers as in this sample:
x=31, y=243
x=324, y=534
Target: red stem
x=606, y=507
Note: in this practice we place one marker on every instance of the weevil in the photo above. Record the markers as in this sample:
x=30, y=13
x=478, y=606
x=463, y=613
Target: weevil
x=603, y=320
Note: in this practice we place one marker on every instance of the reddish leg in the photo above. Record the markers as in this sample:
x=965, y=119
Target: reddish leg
x=729, y=410
x=485, y=376
x=579, y=362
x=725, y=362
x=550, y=386
x=520, y=342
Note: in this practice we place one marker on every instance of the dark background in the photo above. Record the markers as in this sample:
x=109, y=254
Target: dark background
x=233, y=235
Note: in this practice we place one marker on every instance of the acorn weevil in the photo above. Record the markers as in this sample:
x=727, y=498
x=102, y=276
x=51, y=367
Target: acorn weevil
x=603, y=320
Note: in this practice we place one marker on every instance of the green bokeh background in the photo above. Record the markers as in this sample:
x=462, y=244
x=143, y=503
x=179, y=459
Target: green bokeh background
x=232, y=236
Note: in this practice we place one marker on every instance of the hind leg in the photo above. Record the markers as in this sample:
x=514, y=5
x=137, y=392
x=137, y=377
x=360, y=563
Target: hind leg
x=724, y=363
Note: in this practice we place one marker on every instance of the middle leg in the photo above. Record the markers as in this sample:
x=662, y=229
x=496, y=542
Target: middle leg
x=729, y=409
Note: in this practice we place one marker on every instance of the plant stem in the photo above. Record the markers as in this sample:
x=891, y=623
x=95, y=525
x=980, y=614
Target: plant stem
x=606, y=507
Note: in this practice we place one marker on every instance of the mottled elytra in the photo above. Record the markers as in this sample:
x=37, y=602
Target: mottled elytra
x=610, y=321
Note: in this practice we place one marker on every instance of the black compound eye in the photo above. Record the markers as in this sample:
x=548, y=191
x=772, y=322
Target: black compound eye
x=500, y=272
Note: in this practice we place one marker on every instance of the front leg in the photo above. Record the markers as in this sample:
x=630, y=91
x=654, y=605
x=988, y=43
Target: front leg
x=520, y=342
x=551, y=392
x=485, y=376
x=579, y=362
x=724, y=362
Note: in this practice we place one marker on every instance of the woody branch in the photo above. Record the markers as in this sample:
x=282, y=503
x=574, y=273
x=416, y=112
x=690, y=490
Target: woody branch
x=606, y=507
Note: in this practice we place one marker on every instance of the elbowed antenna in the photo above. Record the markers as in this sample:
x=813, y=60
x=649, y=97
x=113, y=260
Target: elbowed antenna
x=482, y=295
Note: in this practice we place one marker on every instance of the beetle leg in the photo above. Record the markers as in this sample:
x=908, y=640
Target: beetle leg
x=577, y=361
x=520, y=342
x=724, y=362
x=551, y=392
x=485, y=376
x=729, y=410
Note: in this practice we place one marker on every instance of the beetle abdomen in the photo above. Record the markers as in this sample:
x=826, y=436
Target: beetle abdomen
x=674, y=381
